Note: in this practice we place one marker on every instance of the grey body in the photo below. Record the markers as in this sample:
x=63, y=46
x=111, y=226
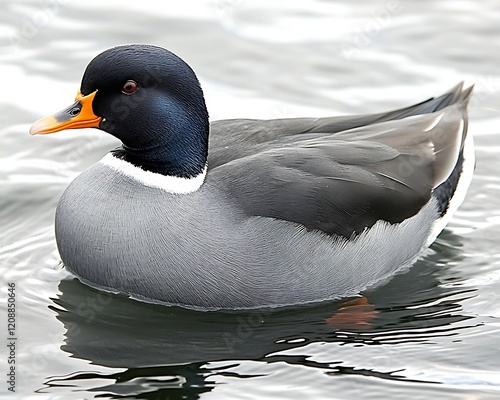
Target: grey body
x=199, y=251
x=292, y=211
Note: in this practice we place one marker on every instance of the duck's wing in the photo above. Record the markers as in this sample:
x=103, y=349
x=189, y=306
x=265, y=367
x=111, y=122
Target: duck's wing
x=237, y=138
x=342, y=183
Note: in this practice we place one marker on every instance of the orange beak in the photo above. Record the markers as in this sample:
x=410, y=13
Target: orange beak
x=78, y=115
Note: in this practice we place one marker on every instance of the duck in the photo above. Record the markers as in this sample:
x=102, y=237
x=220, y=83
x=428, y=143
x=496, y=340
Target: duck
x=245, y=213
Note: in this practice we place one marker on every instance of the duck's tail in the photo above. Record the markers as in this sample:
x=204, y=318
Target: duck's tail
x=455, y=95
x=451, y=193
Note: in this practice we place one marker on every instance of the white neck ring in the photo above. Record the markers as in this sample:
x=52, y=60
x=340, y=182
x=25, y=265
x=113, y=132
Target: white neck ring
x=169, y=183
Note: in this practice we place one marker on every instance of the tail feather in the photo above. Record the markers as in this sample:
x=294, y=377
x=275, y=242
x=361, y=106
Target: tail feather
x=445, y=192
x=431, y=105
x=337, y=124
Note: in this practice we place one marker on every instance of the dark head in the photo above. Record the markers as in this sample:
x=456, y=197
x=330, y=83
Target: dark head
x=148, y=98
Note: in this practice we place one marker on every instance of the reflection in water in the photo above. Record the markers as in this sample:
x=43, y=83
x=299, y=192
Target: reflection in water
x=155, y=383
x=168, y=349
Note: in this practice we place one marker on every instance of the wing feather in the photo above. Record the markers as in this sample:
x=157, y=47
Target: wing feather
x=341, y=181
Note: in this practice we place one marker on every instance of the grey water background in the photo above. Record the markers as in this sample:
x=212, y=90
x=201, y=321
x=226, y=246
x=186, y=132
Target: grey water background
x=434, y=328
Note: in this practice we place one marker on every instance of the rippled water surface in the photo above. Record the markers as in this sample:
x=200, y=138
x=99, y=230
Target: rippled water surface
x=430, y=332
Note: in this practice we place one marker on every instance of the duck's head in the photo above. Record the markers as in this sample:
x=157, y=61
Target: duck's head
x=148, y=98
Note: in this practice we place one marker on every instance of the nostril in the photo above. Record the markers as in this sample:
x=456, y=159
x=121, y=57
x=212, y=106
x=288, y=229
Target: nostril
x=74, y=112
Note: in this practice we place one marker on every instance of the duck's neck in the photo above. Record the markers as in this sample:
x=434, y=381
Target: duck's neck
x=169, y=163
x=168, y=183
x=176, y=146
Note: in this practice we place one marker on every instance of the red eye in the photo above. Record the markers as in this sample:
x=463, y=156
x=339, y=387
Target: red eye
x=130, y=87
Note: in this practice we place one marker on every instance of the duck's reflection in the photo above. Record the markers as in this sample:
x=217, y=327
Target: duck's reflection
x=166, y=349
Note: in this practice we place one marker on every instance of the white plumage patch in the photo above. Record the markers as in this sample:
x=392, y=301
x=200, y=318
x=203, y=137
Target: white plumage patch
x=171, y=184
x=434, y=122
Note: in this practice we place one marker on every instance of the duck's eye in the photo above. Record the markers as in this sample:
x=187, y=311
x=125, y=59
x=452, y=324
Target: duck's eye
x=130, y=87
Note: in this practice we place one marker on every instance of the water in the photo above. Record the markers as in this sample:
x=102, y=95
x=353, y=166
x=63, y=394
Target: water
x=432, y=331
